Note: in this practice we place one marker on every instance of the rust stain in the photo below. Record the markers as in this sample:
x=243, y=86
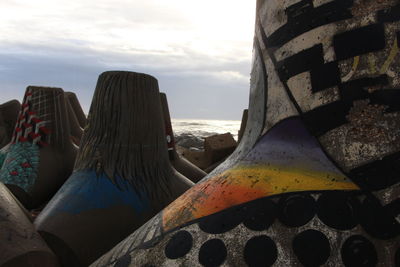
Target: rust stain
x=365, y=121
x=366, y=7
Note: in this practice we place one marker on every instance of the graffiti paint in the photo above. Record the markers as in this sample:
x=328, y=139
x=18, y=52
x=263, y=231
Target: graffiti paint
x=266, y=171
x=20, y=165
x=22, y=159
x=289, y=196
x=85, y=190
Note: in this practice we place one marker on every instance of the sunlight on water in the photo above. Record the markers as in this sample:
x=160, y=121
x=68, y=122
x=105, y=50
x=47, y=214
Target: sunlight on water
x=204, y=128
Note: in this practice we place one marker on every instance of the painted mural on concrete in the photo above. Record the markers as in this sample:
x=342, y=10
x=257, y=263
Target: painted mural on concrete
x=265, y=171
x=21, y=157
x=316, y=178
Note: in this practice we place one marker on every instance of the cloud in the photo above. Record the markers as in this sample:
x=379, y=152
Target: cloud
x=193, y=83
x=199, y=51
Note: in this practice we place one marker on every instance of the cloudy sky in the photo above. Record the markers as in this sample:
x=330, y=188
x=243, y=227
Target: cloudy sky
x=200, y=51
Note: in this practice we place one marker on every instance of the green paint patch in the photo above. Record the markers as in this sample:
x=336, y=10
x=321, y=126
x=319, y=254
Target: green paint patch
x=20, y=165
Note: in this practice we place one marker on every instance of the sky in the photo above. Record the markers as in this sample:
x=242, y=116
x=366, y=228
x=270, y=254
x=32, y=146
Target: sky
x=199, y=51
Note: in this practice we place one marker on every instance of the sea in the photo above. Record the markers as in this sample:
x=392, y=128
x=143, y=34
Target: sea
x=190, y=133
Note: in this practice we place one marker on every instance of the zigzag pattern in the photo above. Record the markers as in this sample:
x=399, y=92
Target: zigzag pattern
x=30, y=128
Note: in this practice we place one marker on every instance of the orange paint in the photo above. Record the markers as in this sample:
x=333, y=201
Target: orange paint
x=243, y=184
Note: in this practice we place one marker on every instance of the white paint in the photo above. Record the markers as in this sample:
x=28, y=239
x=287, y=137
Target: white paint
x=321, y=35
x=300, y=86
x=273, y=14
x=318, y=3
x=279, y=106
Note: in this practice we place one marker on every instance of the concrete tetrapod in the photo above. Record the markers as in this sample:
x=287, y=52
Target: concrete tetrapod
x=243, y=124
x=315, y=178
x=76, y=131
x=122, y=175
x=20, y=244
x=180, y=164
x=8, y=117
x=40, y=155
x=76, y=106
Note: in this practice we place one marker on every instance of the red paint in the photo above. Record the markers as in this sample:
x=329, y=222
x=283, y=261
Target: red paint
x=42, y=144
x=44, y=130
x=22, y=139
x=33, y=135
x=26, y=165
x=36, y=120
x=27, y=125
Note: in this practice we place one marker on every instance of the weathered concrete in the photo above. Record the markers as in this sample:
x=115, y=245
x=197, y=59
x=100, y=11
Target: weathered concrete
x=196, y=157
x=20, y=244
x=315, y=178
x=8, y=117
x=76, y=106
x=40, y=155
x=122, y=175
x=219, y=146
x=243, y=124
x=182, y=165
x=76, y=131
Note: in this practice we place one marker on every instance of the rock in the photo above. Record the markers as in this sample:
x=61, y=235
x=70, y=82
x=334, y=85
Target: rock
x=189, y=140
x=197, y=157
x=219, y=146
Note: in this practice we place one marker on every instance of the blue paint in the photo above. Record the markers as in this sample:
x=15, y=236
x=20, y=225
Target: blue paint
x=289, y=143
x=3, y=155
x=85, y=190
x=20, y=165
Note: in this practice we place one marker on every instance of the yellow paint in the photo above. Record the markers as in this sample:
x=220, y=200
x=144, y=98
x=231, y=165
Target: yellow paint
x=355, y=64
x=282, y=180
x=389, y=60
x=246, y=183
x=372, y=63
x=356, y=61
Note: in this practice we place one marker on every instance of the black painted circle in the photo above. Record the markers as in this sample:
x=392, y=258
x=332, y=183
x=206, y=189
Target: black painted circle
x=179, y=245
x=377, y=221
x=223, y=221
x=296, y=210
x=260, y=251
x=261, y=214
x=212, y=253
x=338, y=210
x=311, y=247
x=358, y=251
x=124, y=261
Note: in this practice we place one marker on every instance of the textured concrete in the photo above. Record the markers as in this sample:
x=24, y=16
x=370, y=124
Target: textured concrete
x=40, y=155
x=122, y=175
x=315, y=178
x=20, y=244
